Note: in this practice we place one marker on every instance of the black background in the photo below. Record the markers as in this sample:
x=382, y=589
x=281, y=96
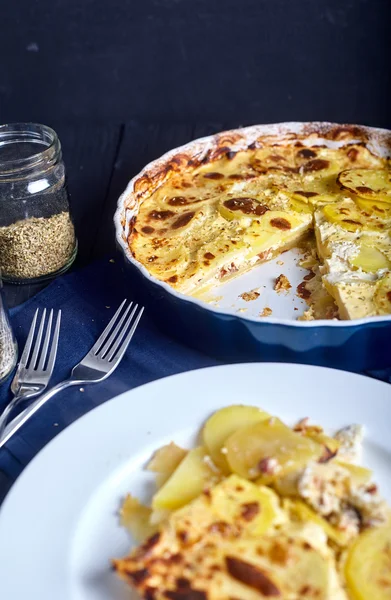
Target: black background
x=123, y=81
x=244, y=61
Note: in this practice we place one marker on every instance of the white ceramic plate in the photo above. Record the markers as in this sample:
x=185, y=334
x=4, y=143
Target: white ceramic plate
x=58, y=525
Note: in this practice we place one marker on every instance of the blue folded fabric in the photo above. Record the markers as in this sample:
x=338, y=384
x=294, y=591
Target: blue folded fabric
x=88, y=299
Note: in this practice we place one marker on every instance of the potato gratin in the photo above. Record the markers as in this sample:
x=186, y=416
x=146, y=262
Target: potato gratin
x=260, y=510
x=211, y=219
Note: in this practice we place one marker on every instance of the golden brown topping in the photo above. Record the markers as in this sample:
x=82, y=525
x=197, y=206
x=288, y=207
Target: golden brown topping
x=372, y=488
x=209, y=256
x=306, y=153
x=309, y=276
x=268, y=465
x=160, y=214
x=279, y=553
x=186, y=594
x=214, y=175
x=351, y=221
x=363, y=189
x=183, y=220
x=246, y=205
x=280, y=223
x=252, y=576
x=352, y=154
x=302, y=291
x=306, y=194
x=139, y=576
x=327, y=455
x=178, y=201
x=318, y=164
x=173, y=279
x=223, y=528
x=183, y=536
x=147, y=229
x=250, y=510
x=306, y=589
x=146, y=548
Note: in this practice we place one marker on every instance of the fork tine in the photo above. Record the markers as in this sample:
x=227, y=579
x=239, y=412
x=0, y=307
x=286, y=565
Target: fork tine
x=37, y=345
x=53, y=349
x=121, y=347
x=27, y=347
x=120, y=336
x=108, y=343
x=46, y=342
x=99, y=342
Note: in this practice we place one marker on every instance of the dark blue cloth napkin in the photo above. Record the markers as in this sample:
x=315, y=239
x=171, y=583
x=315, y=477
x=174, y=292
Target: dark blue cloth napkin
x=88, y=299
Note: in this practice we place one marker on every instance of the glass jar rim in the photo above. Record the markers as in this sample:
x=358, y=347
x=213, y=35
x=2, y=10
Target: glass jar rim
x=25, y=132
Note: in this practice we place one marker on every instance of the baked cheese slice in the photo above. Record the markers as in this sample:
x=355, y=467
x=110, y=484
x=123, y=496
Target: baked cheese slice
x=353, y=243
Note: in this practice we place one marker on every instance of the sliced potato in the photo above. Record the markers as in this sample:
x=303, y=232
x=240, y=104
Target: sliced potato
x=368, y=183
x=304, y=513
x=382, y=297
x=189, y=479
x=368, y=565
x=165, y=461
x=320, y=167
x=277, y=221
x=370, y=259
x=299, y=204
x=223, y=423
x=159, y=515
x=374, y=207
x=322, y=438
x=359, y=475
x=217, y=252
x=135, y=517
x=344, y=215
x=270, y=448
x=280, y=158
x=238, y=501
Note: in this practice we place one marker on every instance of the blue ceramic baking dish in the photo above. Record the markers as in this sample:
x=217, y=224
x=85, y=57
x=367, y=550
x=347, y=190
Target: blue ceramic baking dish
x=232, y=335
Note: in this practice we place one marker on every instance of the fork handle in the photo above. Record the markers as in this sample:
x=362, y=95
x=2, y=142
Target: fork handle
x=20, y=397
x=21, y=419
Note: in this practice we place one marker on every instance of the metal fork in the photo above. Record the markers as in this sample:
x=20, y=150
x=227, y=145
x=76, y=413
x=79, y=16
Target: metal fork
x=103, y=358
x=36, y=364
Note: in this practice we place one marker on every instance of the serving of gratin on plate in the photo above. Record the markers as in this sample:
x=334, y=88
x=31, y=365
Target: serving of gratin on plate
x=203, y=219
x=257, y=510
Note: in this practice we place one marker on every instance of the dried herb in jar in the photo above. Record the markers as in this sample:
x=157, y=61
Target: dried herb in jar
x=37, y=237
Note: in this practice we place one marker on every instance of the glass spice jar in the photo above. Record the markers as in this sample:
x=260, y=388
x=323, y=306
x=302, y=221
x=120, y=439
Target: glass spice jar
x=8, y=346
x=37, y=236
